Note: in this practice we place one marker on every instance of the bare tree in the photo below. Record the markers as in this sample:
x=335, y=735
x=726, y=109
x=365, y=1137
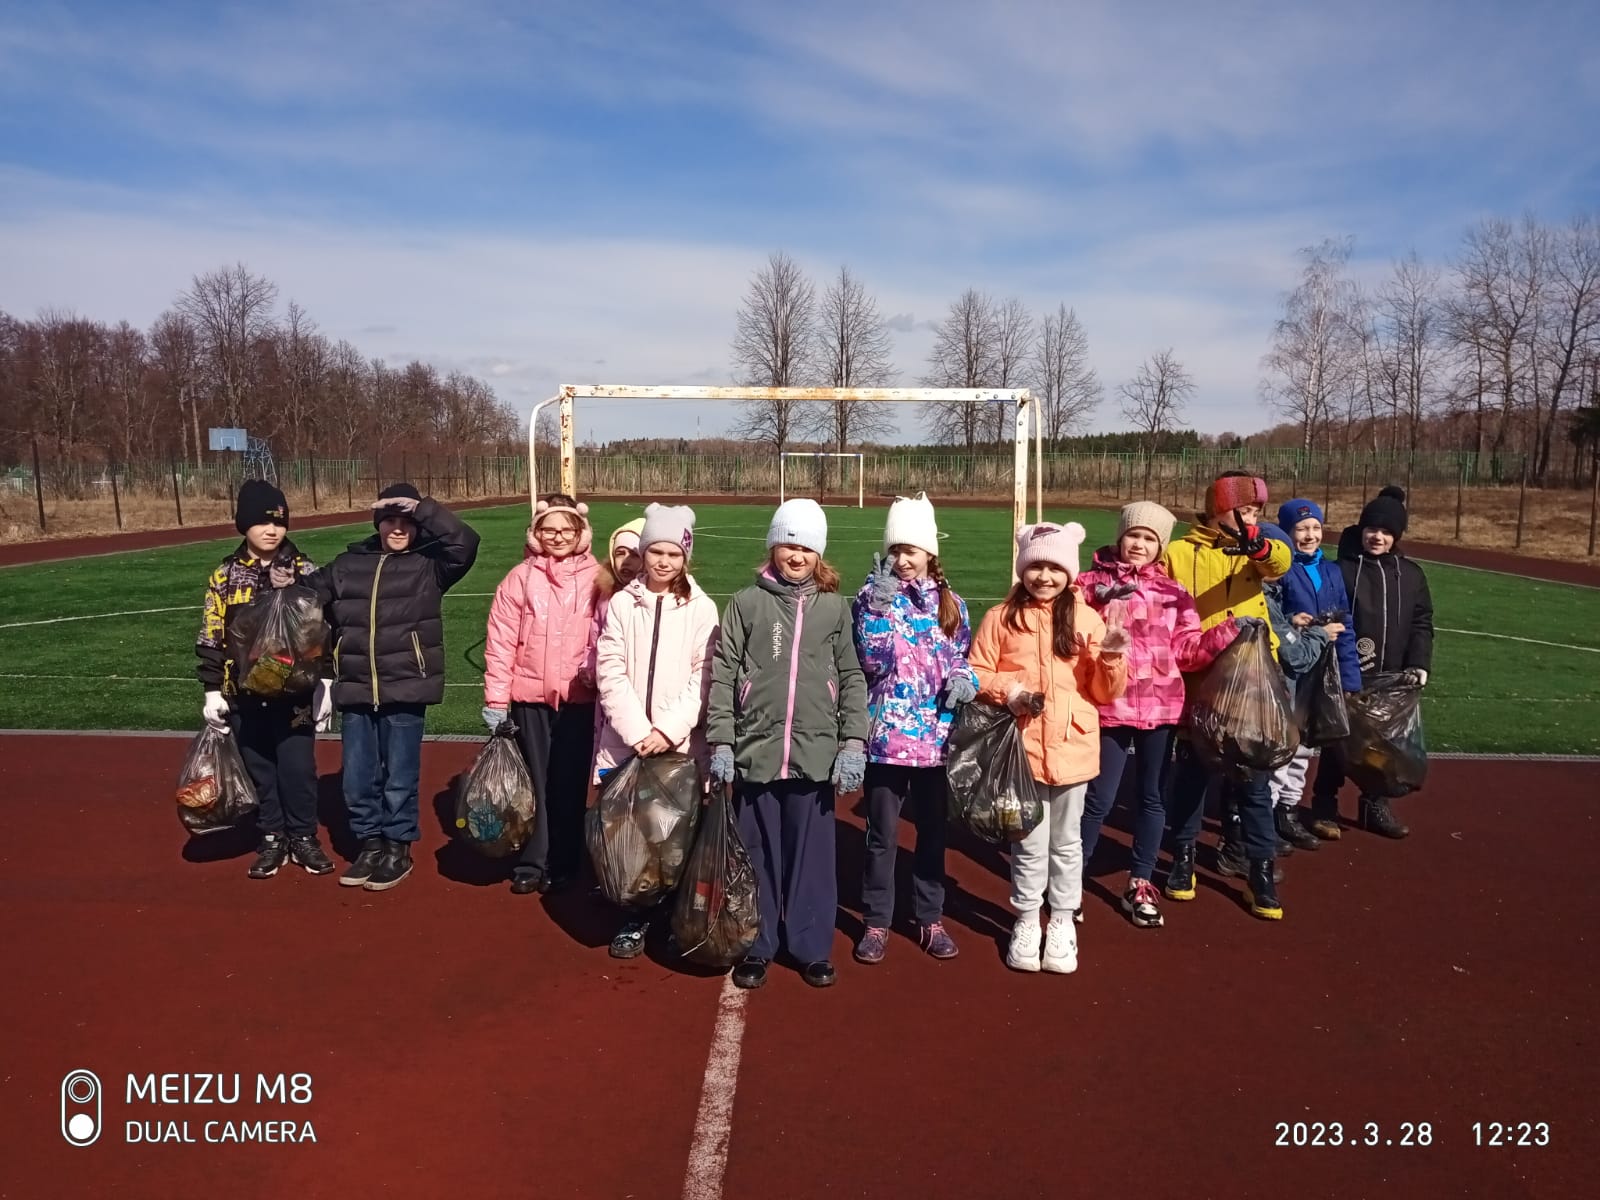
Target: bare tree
x=1313, y=346
x=1013, y=344
x=1572, y=296
x=773, y=346
x=301, y=358
x=1067, y=388
x=964, y=355
x=1410, y=348
x=66, y=348
x=177, y=361
x=231, y=310
x=853, y=350
x=1153, y=400
x=1498, y=282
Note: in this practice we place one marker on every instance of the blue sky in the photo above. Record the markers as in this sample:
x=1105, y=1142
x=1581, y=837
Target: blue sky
x=544, y=192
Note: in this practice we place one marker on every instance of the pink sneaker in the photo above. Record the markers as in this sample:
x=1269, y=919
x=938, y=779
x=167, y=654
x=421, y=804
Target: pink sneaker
x=937, y=942
x=874, y=944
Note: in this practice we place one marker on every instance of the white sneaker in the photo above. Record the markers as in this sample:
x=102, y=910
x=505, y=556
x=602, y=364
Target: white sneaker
x=1024, y=952
x=1060, y=945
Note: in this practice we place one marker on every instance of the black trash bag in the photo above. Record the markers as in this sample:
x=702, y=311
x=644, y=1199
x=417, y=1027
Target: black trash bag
x=494, y=799
x=716, y=917
x=214, y=789
x=641, y=827
x=992, y=788
x=1241, y=718
x=280, y=640
x=1385, y=754
x=1320, y=707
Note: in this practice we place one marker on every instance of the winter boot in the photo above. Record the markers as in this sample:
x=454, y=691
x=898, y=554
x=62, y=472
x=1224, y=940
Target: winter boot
x=305, y=852
x=1325, y=818
x=1287, y=819
x=394, y=866
x=1180, y=879
x=1262, y=892
x=1377, y=817
x=365, y=863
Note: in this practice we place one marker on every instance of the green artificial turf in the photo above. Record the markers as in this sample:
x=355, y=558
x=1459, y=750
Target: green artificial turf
x=136, y=671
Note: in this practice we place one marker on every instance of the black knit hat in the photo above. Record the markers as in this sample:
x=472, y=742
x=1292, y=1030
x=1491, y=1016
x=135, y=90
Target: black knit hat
x=395, y=491
x=259, y=504
x=1385, y=512
x=1394, y=492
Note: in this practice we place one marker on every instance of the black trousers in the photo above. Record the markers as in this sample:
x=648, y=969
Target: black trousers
x=558, y=745
x=277, y=740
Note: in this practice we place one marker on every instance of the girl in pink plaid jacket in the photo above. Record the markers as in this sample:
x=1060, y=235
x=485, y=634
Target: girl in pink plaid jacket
x=1130, y=588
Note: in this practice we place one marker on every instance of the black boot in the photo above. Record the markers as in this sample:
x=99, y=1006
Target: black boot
x=1377, y=817
x=274, y=849
x=1180, y=879
x=394, y=866
x=750, y=974
x=1231, y=858
x=1262, y=891
x=629, y=942
x=1290, y=829
x=364, y=865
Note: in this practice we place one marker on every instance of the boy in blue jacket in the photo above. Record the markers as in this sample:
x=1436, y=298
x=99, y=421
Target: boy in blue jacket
x=1314, y=594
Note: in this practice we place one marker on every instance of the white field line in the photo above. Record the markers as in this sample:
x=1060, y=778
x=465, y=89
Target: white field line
x=713, y=1124
x=1434, y=562
x=1507, y=637
x=130, y=612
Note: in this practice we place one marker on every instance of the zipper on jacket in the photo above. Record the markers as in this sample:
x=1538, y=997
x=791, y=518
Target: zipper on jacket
x=794, y=674
x=372, y=628
x=650, y=677
x=416, y=648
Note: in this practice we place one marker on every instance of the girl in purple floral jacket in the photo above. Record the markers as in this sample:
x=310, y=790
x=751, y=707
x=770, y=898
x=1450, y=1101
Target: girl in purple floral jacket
x=912, y=636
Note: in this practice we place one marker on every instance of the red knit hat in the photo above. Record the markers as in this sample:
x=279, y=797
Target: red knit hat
x=1234, y=491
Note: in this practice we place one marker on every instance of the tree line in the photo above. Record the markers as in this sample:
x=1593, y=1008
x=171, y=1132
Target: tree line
x=1496, y=351
x=224, y=355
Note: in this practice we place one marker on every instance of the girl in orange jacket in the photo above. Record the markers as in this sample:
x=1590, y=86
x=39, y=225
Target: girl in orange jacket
x=1048, y=656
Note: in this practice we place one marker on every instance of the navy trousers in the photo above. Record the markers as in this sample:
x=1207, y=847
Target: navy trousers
x=1151, y=749
x=788, y=829
x=1252, y=798
x=277, y=741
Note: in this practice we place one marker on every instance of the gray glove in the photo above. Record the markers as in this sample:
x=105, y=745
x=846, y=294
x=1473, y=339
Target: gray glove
x=1104, y=593
x=1116, y=641
x=885, y=585
x=1248, y=625
x=958, y=690
x=720, y=772
x=493, y=718
x=850, y=767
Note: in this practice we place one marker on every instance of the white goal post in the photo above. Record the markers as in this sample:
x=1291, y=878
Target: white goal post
x=818, y=456
x=1021, y=399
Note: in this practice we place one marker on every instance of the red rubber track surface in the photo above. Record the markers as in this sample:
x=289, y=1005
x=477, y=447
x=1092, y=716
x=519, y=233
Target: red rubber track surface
x=464, y=1041
x=1560, y=571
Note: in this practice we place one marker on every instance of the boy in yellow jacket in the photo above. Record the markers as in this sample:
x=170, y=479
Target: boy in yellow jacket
x=1223, y=561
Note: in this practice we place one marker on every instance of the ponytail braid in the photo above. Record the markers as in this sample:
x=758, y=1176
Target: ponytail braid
x=949, y=607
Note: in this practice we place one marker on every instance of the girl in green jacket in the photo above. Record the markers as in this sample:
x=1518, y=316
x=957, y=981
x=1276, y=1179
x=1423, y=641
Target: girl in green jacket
x=787, y=724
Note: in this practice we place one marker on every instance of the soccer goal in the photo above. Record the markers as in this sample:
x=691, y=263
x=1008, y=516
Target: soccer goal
x=1020, y=400
x=801, y=479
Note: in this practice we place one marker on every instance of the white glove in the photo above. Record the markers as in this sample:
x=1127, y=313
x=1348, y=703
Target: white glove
x=215, y=712
x=322, y=706
x=1417, y=675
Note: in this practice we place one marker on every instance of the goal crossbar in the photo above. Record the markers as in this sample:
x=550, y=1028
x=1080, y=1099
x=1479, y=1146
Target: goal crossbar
x=1020, y=398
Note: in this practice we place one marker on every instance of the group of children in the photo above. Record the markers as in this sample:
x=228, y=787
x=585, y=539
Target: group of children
x=794, y=694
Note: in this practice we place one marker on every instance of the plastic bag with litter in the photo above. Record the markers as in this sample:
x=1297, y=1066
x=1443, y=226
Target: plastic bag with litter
x=716, y=917
x=214, y=789
x=992, y=788
x=1385, y=754
x=641, y=827
x=1241, y=718
x=494, y=799
x=284, y=636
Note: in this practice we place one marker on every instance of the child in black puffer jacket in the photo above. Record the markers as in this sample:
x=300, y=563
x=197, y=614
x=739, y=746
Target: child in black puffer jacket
x=1393, y=615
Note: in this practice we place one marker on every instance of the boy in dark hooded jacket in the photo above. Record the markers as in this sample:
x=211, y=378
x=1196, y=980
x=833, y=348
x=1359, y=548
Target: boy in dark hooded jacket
x=1393, y=615
x=276, y=736
x=383, y=597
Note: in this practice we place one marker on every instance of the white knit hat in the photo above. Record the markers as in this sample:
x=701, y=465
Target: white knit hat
x=799, y=522
x=1147, y=514
x=911, y=523
x=1051, y=543
x=668, y=523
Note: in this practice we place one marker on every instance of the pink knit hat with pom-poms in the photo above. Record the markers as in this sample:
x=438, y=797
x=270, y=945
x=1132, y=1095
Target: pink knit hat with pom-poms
x=580, y=511
x=1050, y=543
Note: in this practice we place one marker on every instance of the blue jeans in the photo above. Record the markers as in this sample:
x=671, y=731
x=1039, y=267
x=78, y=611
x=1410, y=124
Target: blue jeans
x=1151, y=749
x=382, y=766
